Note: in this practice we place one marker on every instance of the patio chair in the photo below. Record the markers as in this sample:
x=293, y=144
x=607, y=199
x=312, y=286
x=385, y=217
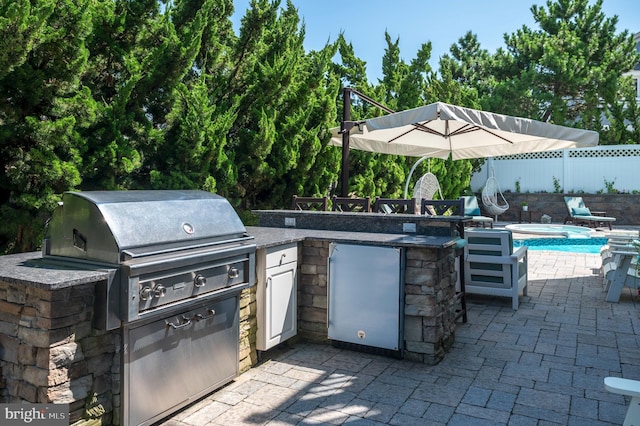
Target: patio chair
x=492, y=198
x=579, y=214
x=493, y=267
x=618, y=242
x=620, y=271
x=310, y=203
x=348, y=204
x=471, y=208
x=392, y=205
x=442, y=207
x=427, y=187
x=630, y=388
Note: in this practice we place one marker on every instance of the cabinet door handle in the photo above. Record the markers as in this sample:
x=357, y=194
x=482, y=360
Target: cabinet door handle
x=268, y=281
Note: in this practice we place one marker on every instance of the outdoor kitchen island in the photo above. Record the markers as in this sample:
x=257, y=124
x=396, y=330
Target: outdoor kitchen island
x=50, y=352
x=429, y=247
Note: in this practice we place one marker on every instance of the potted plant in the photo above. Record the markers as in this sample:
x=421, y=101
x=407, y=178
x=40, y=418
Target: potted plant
x=525, y=206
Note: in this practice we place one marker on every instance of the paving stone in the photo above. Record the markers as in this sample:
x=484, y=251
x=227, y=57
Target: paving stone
x=324, y=416
x=541, y=414
x=383, y=392
x=381, y=412
x=285, y=419
x=544, y=399
x=524, y=371
x=338, y=400
x=560, y=377
x=414, y=407
x=502, y=401
x=401, y=419
x=392, y=379
x=439, y=413
x=245, y=414
x=305, y=404
x=359, y=421
x=583, y=407
x=206, y=414
x=476, y=396
x=357, y=407
x=464, y=420
x=482, y=413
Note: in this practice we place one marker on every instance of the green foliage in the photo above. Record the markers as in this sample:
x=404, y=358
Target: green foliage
x=43, y=109
x=120, y=94
x=557, y=188
x=610, y=186
x=565, y=71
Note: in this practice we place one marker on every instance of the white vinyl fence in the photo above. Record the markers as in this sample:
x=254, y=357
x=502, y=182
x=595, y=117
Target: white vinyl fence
x=601, y=169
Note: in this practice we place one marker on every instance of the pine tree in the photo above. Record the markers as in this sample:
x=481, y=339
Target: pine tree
x=566, y=72
x=43, y=109
x=281, y=118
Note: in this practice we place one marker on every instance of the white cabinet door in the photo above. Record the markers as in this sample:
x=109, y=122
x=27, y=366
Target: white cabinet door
x=276, y=297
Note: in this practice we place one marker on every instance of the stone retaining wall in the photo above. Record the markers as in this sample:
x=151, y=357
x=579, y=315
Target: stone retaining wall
x=624, y=207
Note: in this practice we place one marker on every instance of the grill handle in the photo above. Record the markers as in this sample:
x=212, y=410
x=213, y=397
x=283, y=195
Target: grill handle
x=185, y=323
x=210, y=314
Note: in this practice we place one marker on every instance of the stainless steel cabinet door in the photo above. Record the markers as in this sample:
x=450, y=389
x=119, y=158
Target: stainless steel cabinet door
x=173, y=360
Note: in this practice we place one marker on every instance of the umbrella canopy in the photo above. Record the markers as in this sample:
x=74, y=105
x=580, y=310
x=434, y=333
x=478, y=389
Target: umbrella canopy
x=438, y=130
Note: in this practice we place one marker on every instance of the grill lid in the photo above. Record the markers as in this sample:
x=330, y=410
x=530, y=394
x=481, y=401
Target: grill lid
x=100, y=225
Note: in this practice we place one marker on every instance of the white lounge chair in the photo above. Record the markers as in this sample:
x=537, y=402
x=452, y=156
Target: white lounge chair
x=492, y=267
x=629, y=388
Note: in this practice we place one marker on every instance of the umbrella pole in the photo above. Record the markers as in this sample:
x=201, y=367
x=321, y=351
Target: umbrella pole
x=345, y=128
x=346, y=116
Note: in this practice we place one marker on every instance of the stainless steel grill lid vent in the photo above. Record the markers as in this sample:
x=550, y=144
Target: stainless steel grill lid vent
x=109, y=226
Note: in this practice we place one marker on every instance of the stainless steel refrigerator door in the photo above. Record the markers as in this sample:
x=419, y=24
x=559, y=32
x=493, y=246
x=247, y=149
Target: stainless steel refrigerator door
x=365, y=295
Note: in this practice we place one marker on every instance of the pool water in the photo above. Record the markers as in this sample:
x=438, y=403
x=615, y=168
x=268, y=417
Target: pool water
x=570, y=245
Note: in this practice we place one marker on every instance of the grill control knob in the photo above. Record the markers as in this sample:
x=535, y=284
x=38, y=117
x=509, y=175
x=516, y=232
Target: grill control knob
x=199, y=281
x=159, y=291
x=233, y=273
x=146, y=293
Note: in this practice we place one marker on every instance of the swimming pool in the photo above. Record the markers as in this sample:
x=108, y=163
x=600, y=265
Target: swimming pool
x=568, y=231
x=571, y=245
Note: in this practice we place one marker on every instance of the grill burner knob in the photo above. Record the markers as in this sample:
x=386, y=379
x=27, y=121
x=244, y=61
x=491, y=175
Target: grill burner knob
x=199, y=281
x=146, y=293
x=159, y=291
x=233, y=273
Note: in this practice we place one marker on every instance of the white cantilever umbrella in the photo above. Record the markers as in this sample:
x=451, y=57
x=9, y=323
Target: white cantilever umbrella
x=438, y=130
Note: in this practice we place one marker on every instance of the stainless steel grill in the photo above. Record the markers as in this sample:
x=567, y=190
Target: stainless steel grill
x=179, y=260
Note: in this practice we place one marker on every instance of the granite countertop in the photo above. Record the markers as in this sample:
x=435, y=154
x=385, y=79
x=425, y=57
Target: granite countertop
x=269, y=237
x=30, y=268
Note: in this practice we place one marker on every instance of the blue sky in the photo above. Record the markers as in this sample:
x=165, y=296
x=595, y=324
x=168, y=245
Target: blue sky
x=416, y=22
